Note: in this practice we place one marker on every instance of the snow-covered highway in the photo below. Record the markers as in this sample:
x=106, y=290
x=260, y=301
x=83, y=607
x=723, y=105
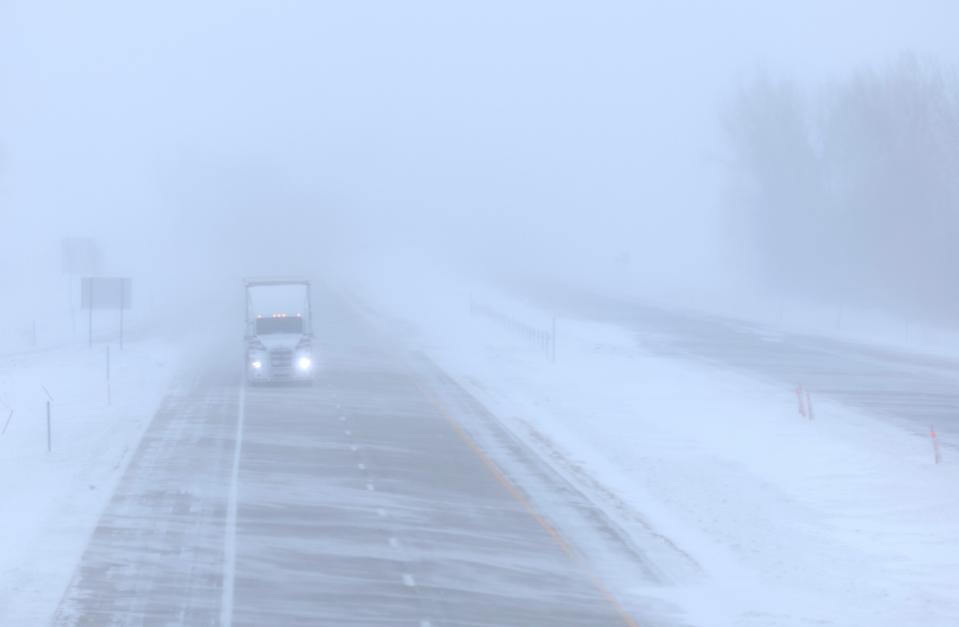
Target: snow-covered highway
x=383, y=495
x=907, y=384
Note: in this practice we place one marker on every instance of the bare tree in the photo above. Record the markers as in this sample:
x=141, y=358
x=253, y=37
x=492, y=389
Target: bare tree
x=854, y=193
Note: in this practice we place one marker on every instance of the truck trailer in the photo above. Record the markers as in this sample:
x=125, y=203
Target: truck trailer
x=279, y=331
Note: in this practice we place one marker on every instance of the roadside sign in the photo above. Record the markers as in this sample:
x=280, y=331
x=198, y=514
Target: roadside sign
x=105, y=293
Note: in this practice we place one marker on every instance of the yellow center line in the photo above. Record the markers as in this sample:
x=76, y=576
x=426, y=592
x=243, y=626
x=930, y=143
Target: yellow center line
x=515, y=492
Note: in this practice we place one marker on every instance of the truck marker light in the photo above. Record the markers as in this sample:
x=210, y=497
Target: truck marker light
x=304, y=363
x=257, y=364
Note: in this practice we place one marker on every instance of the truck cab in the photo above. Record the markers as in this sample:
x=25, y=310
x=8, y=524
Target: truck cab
x=279, y=334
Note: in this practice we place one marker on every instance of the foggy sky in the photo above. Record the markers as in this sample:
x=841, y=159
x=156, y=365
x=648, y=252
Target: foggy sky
x=237, y=138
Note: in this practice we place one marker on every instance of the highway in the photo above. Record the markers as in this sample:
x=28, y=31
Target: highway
x=914, y=389
x=383, y=495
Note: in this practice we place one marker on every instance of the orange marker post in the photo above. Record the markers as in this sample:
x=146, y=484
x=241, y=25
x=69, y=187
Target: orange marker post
x=935, y=444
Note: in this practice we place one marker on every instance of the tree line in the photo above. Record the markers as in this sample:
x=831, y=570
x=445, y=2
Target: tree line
x=851, y=188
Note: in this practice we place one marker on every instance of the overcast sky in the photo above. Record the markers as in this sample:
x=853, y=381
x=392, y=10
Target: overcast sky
x=543, y=133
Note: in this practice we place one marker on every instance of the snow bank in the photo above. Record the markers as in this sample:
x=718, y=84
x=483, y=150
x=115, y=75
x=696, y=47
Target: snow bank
x=51, y=501
x=842, y=520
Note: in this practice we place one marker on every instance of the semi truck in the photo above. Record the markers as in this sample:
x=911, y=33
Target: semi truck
x=279, y=331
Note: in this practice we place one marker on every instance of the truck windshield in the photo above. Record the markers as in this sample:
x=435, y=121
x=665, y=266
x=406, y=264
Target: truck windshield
x=267, y=326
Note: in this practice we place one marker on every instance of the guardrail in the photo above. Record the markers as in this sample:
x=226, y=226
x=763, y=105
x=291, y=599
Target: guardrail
x=540, y=339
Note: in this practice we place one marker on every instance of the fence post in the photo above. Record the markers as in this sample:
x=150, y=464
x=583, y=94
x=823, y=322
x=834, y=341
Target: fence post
x=122, y=306
x=553, y=342
x=109, y=394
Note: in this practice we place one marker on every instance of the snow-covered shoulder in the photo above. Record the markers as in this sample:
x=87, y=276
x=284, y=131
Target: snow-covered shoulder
x=843, y=519
x=55, y=482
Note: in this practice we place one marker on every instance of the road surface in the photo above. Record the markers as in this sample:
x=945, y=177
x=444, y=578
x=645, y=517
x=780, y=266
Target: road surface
x=383, y=495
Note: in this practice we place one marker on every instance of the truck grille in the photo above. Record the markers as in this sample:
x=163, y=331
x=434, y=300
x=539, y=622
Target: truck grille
x=281, y=362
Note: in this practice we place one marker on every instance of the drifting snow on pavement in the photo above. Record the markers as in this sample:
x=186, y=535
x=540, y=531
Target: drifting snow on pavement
x=843, y=520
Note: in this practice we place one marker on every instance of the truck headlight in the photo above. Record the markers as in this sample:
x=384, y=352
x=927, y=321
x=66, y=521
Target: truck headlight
x=304, y=363
x=257, y=364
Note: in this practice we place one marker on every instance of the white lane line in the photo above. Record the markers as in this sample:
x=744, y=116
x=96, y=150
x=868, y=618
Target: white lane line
x=361, y=466
x=342, y=418
x=369, y=486
x=354, y=448
x=408, y=580
x=348, y=432
x=425, y=623
x=381, y=512
x=394, y=543
x=229, y=540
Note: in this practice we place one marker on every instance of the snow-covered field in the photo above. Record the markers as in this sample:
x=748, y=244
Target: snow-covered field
x=840, y=520
x=50, y=501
